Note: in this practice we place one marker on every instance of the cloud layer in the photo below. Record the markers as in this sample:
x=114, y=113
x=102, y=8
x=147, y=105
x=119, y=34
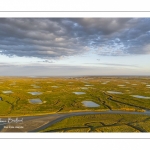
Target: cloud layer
x=60, y=37
x=65, y=70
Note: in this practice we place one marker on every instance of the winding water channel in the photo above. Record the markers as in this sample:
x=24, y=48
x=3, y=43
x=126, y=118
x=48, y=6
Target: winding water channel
x=54, y=118
x=87, y=113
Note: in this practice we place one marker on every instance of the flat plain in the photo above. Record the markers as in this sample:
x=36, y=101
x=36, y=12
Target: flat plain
x=34, y=96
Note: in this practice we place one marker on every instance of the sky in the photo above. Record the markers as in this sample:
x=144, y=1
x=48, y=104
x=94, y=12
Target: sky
x=74, y=46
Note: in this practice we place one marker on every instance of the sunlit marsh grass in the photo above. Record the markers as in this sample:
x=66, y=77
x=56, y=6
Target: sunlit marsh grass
x=61, y=94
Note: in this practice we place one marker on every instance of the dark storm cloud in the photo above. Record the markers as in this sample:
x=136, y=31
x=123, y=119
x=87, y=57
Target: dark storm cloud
x=57, y=37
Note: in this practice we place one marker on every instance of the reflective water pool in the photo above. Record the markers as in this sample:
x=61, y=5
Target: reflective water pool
x=35, y=101
x=54, y=86
x=7, y=92
x=90, y=104
x=104, y=83
x=139, y=96
x=79, y=93
x=12, y=84
x=127, y=82
x=35, y=86
x=84, y=88
x=114, y=92
x=88, y=85
x=121, y=85
x=35, y=93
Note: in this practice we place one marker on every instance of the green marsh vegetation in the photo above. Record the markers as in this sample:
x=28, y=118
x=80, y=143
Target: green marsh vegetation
x=57, y=94
x=103, y=123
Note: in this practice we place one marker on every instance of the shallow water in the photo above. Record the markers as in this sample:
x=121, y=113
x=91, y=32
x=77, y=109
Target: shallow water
x=104, y=83
x=114, y=92
x=127, y=82
x=54, y=86
x=7, y=92
x=121, y=85
x=35, y=101
x=88, y=85
x=36, y=87
x=79, y=93
x=84, y=88
x=12, y=84
x=139, y=96
x=86, y=82
x=90, y=104
x=35, y=93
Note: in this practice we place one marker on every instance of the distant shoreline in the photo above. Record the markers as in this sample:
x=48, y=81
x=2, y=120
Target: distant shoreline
x=83, y=76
